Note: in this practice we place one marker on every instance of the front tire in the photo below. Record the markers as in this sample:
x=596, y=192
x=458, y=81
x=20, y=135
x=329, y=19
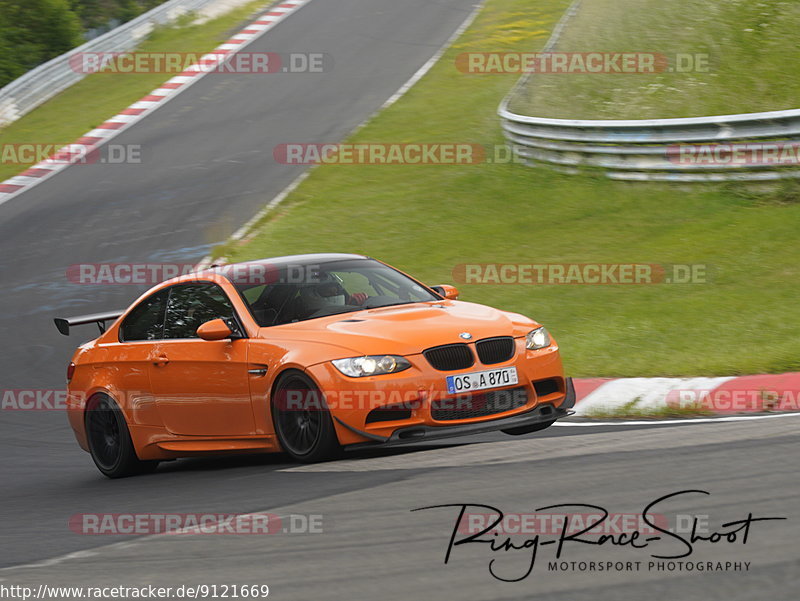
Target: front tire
x=302, y=422
x=110, y=441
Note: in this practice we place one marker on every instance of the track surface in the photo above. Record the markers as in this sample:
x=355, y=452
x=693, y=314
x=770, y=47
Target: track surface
x=373, y=546
x=208, y=168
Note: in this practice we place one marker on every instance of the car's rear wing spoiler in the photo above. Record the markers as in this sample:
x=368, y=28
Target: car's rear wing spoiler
x=64, y=323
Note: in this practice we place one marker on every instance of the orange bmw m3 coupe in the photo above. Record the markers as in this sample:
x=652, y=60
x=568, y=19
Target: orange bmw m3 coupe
x=305, y=354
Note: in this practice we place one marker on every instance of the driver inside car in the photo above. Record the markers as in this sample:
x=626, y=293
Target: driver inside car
x=328, y=294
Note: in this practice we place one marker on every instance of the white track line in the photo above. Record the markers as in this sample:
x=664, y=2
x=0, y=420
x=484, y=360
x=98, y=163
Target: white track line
x=93, y=140
x=672, y=422
x=419, y=74
x=189, y=531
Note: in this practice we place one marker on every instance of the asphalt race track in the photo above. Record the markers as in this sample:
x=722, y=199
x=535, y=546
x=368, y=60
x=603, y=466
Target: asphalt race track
x=373, y=546
x=207, y=168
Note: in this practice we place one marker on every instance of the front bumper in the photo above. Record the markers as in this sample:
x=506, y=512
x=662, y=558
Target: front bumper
x=541, y=413
x=350, y=400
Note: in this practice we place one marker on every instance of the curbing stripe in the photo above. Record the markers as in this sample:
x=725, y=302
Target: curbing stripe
x=91, y=141
x=722, y=395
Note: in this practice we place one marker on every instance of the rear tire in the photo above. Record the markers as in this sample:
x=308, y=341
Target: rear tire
x=110, y=441
x=305, y=430
x=528, y=429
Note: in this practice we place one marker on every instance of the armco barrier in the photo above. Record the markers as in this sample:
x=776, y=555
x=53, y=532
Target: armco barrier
x=652, y=149
x=45, y=81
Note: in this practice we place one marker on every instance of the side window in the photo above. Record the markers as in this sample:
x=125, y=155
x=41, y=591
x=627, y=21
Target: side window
x=146, y=321
x=191, y=305
x=251, y=295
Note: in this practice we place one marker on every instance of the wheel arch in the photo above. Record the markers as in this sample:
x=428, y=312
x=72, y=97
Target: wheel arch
x=289, y=368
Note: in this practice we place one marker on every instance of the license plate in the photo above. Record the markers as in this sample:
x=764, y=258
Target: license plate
x=481, y=380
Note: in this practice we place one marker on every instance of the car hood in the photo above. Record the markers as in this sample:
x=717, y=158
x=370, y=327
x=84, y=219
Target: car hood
x=404, y=329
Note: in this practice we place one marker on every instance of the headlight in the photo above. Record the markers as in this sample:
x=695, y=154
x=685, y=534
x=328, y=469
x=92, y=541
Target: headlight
x=536, y=339
x=371, y=365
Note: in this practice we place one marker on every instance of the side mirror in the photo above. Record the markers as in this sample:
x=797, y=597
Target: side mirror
x=216, y=329
x=447, y=291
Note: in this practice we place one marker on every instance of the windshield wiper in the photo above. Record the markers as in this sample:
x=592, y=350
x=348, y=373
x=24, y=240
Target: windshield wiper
x=328, y=313
x=367, y=306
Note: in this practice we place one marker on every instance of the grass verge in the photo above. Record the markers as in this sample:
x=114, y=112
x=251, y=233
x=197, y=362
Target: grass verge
x=91, y=101
x=427, y=219
x=744, y=42
x=631, y=411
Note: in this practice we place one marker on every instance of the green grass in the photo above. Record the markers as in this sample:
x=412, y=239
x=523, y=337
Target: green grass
x=631, y=411
x=94, y=99
x=427, y=219
x=748, y=45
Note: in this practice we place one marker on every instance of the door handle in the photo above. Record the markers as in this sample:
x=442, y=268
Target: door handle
x=160, y=360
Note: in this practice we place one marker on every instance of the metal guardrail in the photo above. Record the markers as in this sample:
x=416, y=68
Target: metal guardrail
x=651, y=149
x=45, y=81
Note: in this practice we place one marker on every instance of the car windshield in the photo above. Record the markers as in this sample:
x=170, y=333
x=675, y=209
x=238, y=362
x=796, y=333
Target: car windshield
x=283, y=293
